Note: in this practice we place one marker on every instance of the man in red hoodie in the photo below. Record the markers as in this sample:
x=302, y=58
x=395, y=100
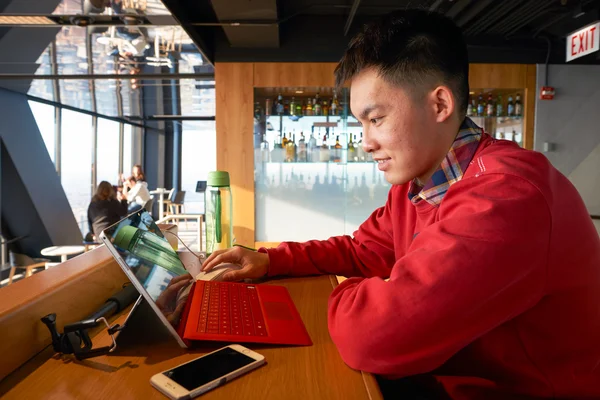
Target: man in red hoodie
x=492, y=259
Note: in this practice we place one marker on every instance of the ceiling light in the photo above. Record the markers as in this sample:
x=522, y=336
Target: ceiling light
x=25, y=20
x=299, y=91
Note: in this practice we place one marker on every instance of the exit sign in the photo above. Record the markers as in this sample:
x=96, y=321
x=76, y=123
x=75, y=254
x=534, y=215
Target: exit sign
x=583, y=42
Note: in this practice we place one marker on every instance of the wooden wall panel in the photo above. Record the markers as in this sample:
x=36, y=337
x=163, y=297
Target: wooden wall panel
x=497, y=76
x=293, y=74
x=235, y=83
x=235, y=146
x=529, y=102
x=72, y=290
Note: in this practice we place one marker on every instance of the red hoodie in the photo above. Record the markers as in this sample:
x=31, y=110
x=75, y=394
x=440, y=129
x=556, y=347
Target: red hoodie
x=496, y=291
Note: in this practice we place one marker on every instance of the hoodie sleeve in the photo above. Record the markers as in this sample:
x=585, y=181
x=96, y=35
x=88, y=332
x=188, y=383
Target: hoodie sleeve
x=482, y=263
x=370, y=252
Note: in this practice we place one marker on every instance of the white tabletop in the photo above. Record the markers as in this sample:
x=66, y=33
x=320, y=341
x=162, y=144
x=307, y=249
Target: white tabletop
x=56, y=251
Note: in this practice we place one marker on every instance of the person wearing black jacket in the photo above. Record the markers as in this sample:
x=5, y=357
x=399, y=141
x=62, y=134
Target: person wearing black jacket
x=105, y=209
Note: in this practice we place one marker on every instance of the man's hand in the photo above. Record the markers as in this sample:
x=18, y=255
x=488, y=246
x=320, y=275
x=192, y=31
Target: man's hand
x=254, y=265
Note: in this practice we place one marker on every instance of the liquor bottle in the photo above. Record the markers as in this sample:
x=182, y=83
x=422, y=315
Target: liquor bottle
x=268, y=107
x=490, y=106
x=293, y=106
x=277, y=152
x=286, y=107
x=279, y=105
x=316, y=105
x=514, y=138
x=284, y=141
x=352, y=150
x=308, y=108
x=324, y=153
x=299, y=108
x=335, y=106
x=257, y=110
x=499, y=111
x=290, y=149
x=264, y=149
x=480, y=106
x=302, y=153
x=325, y=108
x=469, y=107
x=518, y=106
x=510, y=107
x=360, y=151
x=331, y=144
x=312, y=148
x=337, y=153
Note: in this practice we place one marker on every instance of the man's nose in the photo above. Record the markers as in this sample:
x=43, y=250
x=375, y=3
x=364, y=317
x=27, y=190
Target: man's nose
x=369, y=144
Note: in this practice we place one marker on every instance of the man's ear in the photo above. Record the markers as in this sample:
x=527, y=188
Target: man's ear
x=443, y=104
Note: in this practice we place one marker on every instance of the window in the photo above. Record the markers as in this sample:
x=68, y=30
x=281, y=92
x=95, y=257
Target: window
x=198, y=158
x=107, y=159
x=44, y=117
x=76, y=163
x=128, y=149
x=43, y=88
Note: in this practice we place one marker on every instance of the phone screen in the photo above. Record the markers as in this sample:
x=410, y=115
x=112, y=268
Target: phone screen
x=208, y=368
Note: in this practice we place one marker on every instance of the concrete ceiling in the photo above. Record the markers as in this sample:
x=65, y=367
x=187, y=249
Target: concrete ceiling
x=514, y=31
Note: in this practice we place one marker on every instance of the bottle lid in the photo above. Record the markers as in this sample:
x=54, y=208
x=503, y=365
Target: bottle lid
x=124, y=236
x=218, y=178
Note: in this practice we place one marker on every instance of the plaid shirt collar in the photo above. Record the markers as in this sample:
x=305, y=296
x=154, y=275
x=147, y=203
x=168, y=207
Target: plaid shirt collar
x=451, y=170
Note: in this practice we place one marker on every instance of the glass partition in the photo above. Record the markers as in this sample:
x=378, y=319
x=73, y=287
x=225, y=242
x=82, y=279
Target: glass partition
x=310, y=168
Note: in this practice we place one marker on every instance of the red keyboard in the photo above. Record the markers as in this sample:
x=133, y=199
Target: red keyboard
x=230, y=309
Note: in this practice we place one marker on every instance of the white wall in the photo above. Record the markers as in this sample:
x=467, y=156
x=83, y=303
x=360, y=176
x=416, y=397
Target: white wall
x=571, y=122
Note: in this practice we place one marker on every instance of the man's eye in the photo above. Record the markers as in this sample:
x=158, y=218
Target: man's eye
x=375, y=120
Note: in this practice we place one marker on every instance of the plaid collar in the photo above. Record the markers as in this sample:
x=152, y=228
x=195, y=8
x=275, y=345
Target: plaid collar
x=451, y=170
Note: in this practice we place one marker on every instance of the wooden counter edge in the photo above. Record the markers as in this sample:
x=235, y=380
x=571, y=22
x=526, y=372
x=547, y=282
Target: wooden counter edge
x=72, y=290
x=369, y=380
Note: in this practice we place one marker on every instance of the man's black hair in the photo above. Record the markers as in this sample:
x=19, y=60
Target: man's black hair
x=414, y=49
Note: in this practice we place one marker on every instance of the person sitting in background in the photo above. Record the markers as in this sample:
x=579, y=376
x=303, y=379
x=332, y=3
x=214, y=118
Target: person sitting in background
x=136, y=192
x=137, y=173
x=107, y=208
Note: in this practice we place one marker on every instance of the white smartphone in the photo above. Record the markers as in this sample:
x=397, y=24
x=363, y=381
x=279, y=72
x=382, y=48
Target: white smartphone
x=207, y=372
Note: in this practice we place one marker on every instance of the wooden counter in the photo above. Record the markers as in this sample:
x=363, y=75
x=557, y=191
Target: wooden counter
x=312, y=372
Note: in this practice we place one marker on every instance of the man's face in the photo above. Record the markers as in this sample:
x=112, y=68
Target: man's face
x=399, y=129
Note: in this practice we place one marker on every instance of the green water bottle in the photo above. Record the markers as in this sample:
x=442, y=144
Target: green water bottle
x=149, y=247
x=218, y=212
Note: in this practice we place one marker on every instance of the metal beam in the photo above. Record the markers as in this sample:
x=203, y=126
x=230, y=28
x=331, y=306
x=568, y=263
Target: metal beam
x=60, y=106
x=351, y=15
x=473, y=12
x=199, y=77
x=457, y=8
x=435, y=5
x=57, y=111
x=172, y=118
x=92, y=84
